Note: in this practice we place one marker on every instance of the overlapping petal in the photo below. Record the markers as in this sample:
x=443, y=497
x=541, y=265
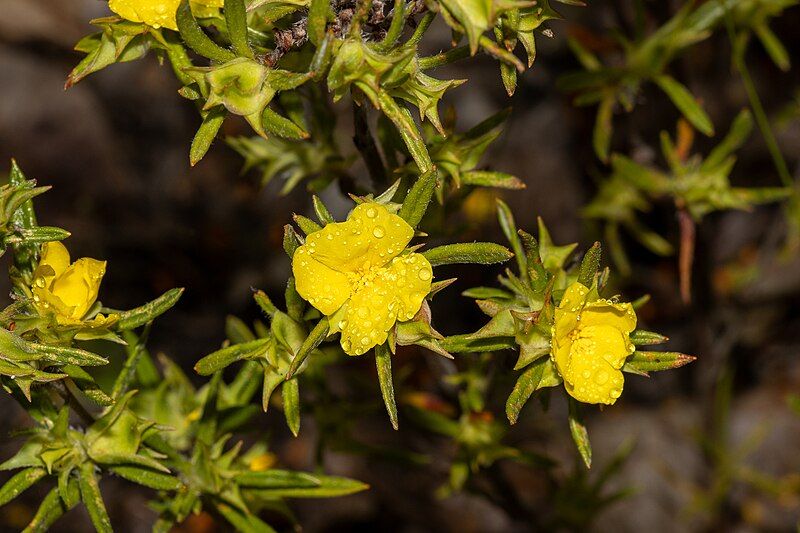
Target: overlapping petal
x=64, y=289
x=591, y=342
x=158, y=13
x=355, y=268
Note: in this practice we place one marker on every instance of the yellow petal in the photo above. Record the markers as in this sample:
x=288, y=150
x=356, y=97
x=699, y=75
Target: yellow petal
x=603, y=312
x=56, y=256
x=593, y=374
x=369, y=238
x=78, y=286
x=410, y=277
x=155, y=13
x=566, y=315
x=323, y=287
x=383, y=297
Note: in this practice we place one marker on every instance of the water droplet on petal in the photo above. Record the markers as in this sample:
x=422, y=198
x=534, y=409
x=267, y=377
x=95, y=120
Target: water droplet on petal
x=615, y=393
x=371, y=212
x=364, y=341
x=424, y=274
x=378, y=232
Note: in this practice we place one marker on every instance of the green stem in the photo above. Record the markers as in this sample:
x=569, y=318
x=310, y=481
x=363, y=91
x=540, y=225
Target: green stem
x=738, y=51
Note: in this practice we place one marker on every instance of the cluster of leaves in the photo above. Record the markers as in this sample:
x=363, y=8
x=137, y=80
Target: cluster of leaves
x=693, y=184
x=272, y=61
x=163, y=434
x=522, y=317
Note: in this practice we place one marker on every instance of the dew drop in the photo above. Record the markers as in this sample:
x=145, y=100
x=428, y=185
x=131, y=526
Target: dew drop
x=378, y=232
x=364, y=341
x=587, y=374
x=615, y=393
x=424, y=274
x=601, y=377
x=371, y=212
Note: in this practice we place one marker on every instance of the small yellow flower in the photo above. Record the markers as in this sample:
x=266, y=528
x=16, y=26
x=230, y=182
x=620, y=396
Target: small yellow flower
x=354, y=272
x=263, y=461
x=66, y=290
x=591, y=341
x=158, y=13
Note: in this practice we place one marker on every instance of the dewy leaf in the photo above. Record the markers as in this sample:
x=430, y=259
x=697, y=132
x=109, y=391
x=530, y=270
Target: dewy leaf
x=589, y=266
x=317, y=20
x=509, y=228
x=194, y=36
x=92, y=499
x=527, y=383
x=147, y=477
x=310, y=343
x=236, y=21
x=206, y=133
x=291, y=405
x=418, y=198
x=654, y=361
x=641, y=337
x=51, y=509
x=579, y=433
x=383, y=359
x=220, y=359
x=19, y=483
x=481, y=253
x=141, y=315
x=686, y=103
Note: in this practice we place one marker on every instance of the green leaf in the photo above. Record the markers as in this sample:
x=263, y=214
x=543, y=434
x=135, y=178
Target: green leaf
x=194, y=36
x=51, y=509
x=19, y=483
x=641, y=337
x=323, y=215
x=317, y=20
x=328, y=487
x=740, y=130
x=220, y=359
x=68, y=356
x=777, y=52
x=686, y=103
x=509, y=228
x=604, y=127
x=140, y=316
x=37, y=235
x=485, y=178
x=206, y=133
x=236, y=21
x=281, y=126
x=265, y=303
x=480, y=253
x=310, y=343
x=419, y=196
x=643, y=362
x=383, y=360
x=147, y=477
x=579, y=433
x=306, y=225
x=408, y=130
x=589, y=266
x=276, y=479
x=527, y=384
x=291, y=240
x=246, y=523
x=291, y=405
x=92, y=499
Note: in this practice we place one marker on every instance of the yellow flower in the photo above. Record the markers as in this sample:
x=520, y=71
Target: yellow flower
x=158, y=13
x=591, y=341
x=66, y=290
x=353, y=272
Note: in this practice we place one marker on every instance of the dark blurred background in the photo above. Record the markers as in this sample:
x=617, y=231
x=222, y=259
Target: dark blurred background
x=115, y=148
